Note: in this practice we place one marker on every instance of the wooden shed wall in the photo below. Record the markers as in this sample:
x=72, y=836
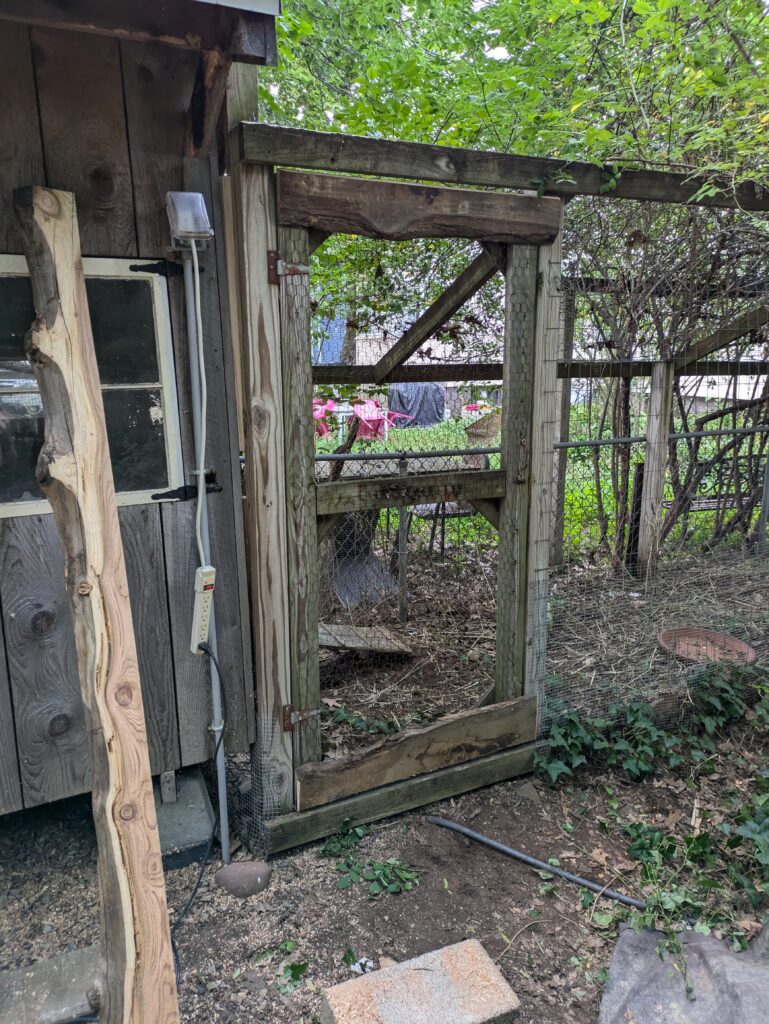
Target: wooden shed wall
x=106, y=120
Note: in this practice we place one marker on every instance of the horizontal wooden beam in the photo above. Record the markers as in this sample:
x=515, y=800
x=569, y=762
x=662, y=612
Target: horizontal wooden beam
x=337, y=373
x=586, y=369
x=471, y=280
x=247, y=36
x=453, y=739
x=353, y=154
x=387, y=209
x=725, y=334
x=301, y=827
x=395, y=491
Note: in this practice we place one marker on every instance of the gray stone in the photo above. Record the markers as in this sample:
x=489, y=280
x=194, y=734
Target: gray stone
x=185, y=825
x=528, y=791
x=244, y=877
x=459, y=984
x=726, y=987
x=50, y=991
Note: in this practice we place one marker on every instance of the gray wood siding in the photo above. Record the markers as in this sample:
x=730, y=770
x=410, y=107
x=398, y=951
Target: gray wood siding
x=106, y=120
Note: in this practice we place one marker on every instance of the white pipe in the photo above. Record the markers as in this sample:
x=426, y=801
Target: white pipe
x=199, y=397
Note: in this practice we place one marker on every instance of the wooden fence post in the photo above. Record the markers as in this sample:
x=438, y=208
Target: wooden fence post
x=517, y=390
x=562, y=455
x=657, y=428
x=302, y=534
x=75, y=473
x=265, y=473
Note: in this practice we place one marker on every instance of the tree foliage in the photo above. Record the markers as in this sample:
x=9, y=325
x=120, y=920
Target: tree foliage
x=674, y=84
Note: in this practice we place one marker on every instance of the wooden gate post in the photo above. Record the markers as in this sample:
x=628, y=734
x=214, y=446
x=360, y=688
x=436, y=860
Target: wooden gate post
x=657, y=428
x=265, y=473
x=75, y=473
x=302, y=536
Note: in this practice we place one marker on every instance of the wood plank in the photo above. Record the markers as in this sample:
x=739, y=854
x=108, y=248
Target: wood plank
x=338, y=373
x=20, y=142
x=54, y=760
x=10, y=780
x=247, y=36
x=386, y=209
x=353, y=154
x=299, y=433
x=391, y=492
x=207, y=97
x=489, y=509
x=341, y=637
x=306, y=826
x=585, y=369
x=157, y=82
x=471, y=280
x=545, y=412
x=452, y=740
x=142, y=539
x=80, y=90
x=745, y=323
x=75, y=473
x=564, y=428
x=658, y=419
x=517, y=391
x=265, y=475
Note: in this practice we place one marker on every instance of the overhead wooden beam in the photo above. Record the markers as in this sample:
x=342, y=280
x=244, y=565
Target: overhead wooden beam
x=338, y=373
x=75, y=473
x=471, y=280
x=353, y=154
x=395, y=491
x=306, y=826
x=725, y=334
x=454, y=739
x=246, y=36
x=386, y=209
x=586, y=369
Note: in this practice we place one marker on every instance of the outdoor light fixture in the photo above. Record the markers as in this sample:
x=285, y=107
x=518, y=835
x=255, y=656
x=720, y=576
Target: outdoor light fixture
x=188, y=218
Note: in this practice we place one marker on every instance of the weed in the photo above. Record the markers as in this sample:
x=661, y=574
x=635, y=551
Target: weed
x=383, y=876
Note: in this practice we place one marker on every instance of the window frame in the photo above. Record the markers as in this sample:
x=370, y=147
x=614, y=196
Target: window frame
x=130, y=269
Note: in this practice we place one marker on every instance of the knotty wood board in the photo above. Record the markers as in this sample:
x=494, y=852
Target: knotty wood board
x=80, y=91
x=393, y=491
x=265, y=472
x=386, y=209
x=342, y=637
x=20, y=143
x=75, y=473
x=355, y=154
x=306, y=826
x=10, y=782
x=454, y=739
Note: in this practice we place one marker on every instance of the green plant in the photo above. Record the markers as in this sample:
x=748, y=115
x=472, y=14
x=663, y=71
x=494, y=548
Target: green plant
x=387, y=876
x=363, y=724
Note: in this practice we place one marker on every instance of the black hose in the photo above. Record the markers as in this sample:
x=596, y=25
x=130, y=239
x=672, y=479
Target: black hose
x=540, y=865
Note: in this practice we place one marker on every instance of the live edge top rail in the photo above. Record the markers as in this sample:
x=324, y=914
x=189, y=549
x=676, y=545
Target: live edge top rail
x=353, y=154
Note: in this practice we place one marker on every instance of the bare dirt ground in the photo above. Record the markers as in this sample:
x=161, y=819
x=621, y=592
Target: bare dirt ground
x=234, y=952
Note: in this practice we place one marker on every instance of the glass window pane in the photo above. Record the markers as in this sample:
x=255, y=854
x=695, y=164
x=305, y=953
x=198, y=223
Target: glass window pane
x=135, y=432
x=21, y=437
x=123, y=329
x=136, y=439
x=15, y=320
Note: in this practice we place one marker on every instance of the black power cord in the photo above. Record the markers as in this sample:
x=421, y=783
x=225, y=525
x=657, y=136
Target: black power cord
x=178, y=921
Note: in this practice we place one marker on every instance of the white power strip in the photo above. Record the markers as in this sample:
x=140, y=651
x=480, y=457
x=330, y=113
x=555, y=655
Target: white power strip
x=205, y=577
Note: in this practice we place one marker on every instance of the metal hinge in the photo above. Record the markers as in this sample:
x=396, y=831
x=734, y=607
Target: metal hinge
x=291, y=717
x=277, y=268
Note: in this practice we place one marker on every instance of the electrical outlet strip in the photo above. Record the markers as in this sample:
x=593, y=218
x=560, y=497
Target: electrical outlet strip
x=205, y=577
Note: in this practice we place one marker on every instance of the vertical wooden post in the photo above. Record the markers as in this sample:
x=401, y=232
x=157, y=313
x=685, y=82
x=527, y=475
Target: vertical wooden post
x=545, y=415
x=562, y=455
x=75, y=473
x=263, y=413
x=299, y=455
x=517, y=389
x=657, y=429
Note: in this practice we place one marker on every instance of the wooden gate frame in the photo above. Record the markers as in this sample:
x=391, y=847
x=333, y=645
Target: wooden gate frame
x=278, y=219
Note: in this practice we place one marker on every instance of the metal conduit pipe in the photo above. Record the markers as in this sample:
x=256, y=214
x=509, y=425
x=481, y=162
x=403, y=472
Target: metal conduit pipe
x=540, y=865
